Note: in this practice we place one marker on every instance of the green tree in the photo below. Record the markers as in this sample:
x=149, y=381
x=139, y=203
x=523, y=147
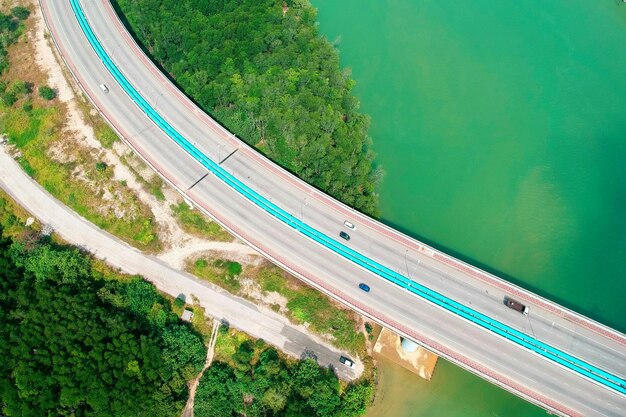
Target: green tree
x=47, y=93
x=214, y=397
x=355, y=400
x=274, y=399
x=21, y=13
x=244, y=353
x=68, y=350
x=270, y=79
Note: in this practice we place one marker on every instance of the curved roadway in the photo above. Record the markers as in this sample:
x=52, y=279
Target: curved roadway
x=509, y=365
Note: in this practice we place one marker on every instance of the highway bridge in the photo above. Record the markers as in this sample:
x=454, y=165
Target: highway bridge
x=553, y=357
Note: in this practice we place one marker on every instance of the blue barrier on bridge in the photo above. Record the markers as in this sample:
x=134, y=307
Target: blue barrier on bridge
x=434, y=297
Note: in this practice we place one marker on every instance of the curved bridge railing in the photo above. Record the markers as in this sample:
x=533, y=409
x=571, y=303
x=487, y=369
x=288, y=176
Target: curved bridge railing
x=588, y=370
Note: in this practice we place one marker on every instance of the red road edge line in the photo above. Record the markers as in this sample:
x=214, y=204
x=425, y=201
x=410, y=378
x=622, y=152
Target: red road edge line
x=366, y=221
x=480, y=369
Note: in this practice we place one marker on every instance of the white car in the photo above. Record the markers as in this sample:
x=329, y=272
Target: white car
x=346, y=362
x=349, y=225
x=104, y=88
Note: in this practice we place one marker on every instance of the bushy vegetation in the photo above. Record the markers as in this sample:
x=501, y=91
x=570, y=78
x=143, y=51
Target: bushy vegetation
x=304, y=304
x=265, y=73
x=35, y=127
x=10, y=30
x=34, y=132
x=307, y=305
x=219, y=271
x=74, y=343
x=20, y=12
x=253, y=380
x=47, y=93
x=192, y=221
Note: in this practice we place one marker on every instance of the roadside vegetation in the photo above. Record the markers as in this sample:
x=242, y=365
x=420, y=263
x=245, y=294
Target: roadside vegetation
x=77, y=175
x=195, y=223
x=55, y=288
x=11, y=27
x=13, y=218
x=285, y=294
x=252, y=379
x=261, y=69
x=82, y=339
x=36, y=124
x=76, y=342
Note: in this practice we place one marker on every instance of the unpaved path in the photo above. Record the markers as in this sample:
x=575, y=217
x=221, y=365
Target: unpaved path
x=188, y=411
x=241, y=314
x=177, y=256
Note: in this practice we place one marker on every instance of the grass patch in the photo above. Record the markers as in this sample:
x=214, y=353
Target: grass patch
x=13, y=219
x=25, y=125
x=104, y=133
x=33, y=132
x=26, y=167
x=221, y=272
x=304, y=304
x=201, y=323
x=307, y=305
x=194, y=222
x=227, y=343
x=157, y=191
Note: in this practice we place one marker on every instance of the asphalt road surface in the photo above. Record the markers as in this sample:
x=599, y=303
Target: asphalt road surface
x=239, y=313
x=494, y=358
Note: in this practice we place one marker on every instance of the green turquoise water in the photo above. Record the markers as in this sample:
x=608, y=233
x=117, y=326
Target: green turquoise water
x=501, y=126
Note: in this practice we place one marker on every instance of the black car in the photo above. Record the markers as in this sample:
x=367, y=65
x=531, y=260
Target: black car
x=344, y=235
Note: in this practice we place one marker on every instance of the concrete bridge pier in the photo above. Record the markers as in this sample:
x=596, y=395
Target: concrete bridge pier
x=406, y=353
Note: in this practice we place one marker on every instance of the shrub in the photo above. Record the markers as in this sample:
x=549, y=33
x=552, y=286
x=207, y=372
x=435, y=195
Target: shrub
x=20, y=13
x=47, y=93
x=368, y=327
x=21, y=88
x=9, y=98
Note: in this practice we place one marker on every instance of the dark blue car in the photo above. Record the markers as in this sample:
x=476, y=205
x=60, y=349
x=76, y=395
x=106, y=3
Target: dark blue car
x=364, y=287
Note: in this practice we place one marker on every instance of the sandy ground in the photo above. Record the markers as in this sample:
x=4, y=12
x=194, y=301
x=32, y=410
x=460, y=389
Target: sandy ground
x=421, y=362
x=178, y=244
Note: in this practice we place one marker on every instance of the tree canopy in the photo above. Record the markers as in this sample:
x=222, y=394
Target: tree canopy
x=11, y=28
x=77, y=344
x=261, y=69
x=260, y=384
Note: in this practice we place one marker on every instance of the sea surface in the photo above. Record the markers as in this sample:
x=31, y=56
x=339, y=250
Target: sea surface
x=501, y=126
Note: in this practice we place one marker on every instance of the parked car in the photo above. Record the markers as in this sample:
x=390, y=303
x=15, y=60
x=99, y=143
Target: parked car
x=346, y=362
x=344, y=235
x=364, y=287
x=349, y=225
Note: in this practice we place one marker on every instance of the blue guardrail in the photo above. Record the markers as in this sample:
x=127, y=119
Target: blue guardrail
x=594, y=373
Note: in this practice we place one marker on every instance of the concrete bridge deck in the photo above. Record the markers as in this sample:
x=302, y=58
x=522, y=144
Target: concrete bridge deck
x=478, y=350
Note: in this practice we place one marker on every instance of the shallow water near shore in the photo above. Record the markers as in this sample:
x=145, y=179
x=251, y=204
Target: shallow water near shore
x=501, y=127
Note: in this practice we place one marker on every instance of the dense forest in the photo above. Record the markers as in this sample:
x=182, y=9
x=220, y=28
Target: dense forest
x=258, y=383
x=75, y=343
x=261, y=69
